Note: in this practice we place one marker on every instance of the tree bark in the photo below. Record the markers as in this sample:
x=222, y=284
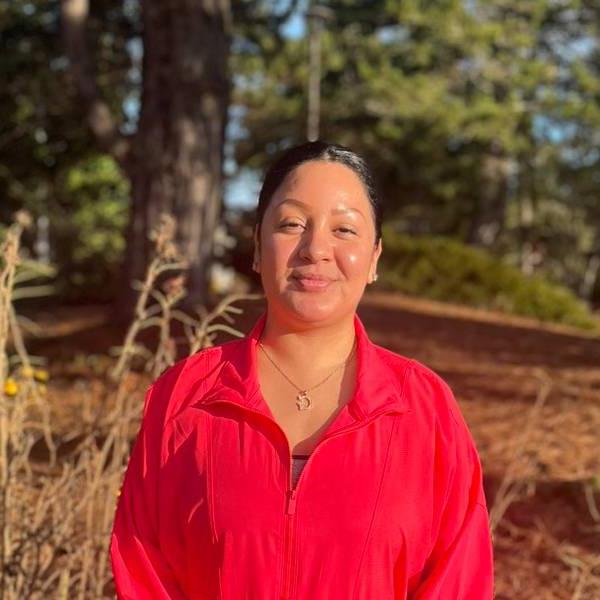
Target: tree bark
x=175, y=159
x=490, y=217
x=74, y=14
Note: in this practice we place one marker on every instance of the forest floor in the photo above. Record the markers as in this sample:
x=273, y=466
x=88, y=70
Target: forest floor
x=531, y=396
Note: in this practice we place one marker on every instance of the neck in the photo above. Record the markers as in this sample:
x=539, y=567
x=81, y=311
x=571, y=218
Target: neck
x=317, y=348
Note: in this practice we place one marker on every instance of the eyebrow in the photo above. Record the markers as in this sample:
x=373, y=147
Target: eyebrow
x=335, y=211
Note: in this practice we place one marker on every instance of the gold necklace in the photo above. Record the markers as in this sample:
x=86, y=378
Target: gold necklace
x=303, y=400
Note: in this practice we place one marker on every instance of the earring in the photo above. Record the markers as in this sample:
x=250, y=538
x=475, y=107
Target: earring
x=375, y=277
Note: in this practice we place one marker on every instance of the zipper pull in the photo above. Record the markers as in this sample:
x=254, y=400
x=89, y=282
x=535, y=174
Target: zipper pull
x=291, y=503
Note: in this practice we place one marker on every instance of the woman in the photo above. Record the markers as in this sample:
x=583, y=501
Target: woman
x=303, y=461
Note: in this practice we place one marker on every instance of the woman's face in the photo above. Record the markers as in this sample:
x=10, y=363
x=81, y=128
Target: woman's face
x=317, y=246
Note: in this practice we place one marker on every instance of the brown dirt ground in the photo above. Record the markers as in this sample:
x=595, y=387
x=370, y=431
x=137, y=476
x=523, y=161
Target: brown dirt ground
x=547, y=546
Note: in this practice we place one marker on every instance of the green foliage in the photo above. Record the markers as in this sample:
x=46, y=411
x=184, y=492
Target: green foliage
x=43, y=130
x=469, y=113
x=93, y=234
x=449, y=271
x=464, y=110
x=45, y=142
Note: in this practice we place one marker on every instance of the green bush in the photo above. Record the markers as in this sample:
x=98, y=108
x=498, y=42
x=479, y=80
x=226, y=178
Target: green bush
x=449, y=271
x=90, y=236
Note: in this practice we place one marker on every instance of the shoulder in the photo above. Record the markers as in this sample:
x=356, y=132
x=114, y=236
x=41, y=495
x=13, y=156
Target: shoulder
x=427, y=394
x=434, y=414
x=187, y=379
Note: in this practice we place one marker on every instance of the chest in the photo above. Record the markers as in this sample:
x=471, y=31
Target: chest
x=304, y=419
x=365, y=491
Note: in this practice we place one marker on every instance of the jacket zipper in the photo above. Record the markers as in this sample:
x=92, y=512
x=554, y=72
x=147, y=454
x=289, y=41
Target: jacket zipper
x=291, y=492
x=290, y=510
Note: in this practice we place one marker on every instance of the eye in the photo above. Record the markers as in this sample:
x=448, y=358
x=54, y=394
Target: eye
x=346, y=230
x=289, y=225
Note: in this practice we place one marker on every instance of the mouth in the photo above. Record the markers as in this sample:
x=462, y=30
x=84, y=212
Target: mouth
x=312, y=282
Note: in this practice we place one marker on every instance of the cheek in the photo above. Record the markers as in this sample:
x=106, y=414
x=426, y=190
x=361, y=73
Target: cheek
x=277, y=253
x=355, y=261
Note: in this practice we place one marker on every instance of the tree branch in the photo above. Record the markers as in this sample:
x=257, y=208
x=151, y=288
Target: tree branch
x=74, y=15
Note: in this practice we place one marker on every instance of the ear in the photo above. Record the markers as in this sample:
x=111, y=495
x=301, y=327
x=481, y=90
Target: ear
x=374, y=261
x=378, y=250
x=256, y=257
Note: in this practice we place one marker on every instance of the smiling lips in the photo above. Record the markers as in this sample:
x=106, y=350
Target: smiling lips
x=311, y=282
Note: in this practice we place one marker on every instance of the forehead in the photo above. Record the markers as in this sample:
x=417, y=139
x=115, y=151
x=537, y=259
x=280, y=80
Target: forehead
x=321, y=184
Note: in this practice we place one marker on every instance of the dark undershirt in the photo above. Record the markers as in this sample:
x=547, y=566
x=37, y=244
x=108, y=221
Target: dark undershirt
x=298, y=462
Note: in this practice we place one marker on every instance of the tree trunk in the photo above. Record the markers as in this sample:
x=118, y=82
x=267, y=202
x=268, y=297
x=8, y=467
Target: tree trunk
x=175, y=159
x=490, y=217
x=177, y=154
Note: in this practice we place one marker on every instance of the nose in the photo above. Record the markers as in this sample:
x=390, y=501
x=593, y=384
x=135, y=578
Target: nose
x=315, y=245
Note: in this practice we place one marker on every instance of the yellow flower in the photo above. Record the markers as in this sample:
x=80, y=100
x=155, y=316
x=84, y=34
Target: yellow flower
x=27, y=371
x=41, y=375
x=10, y=387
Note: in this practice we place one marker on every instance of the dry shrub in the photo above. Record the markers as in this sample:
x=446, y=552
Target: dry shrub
x=56, y=514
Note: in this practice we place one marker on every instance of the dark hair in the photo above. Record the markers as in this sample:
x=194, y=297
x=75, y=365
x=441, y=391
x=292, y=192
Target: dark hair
x=318, y=151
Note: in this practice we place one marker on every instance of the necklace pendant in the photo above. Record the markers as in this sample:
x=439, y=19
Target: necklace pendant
x=303, y=401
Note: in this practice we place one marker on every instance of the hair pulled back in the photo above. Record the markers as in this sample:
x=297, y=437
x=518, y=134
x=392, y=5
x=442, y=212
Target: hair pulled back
x=318, y=151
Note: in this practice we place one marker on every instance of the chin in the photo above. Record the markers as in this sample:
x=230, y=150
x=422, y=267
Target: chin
x=313, y=310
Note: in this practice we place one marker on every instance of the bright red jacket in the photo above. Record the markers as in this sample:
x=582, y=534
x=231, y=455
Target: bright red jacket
x=390, y=504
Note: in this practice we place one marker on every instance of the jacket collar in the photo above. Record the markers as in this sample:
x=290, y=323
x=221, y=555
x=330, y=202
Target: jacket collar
x=378, y=387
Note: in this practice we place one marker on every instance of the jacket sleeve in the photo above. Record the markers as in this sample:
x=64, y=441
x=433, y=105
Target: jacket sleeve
x=460, y=565
x=140, y=569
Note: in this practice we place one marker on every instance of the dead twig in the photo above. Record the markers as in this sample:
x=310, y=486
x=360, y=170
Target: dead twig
x=508, y=491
